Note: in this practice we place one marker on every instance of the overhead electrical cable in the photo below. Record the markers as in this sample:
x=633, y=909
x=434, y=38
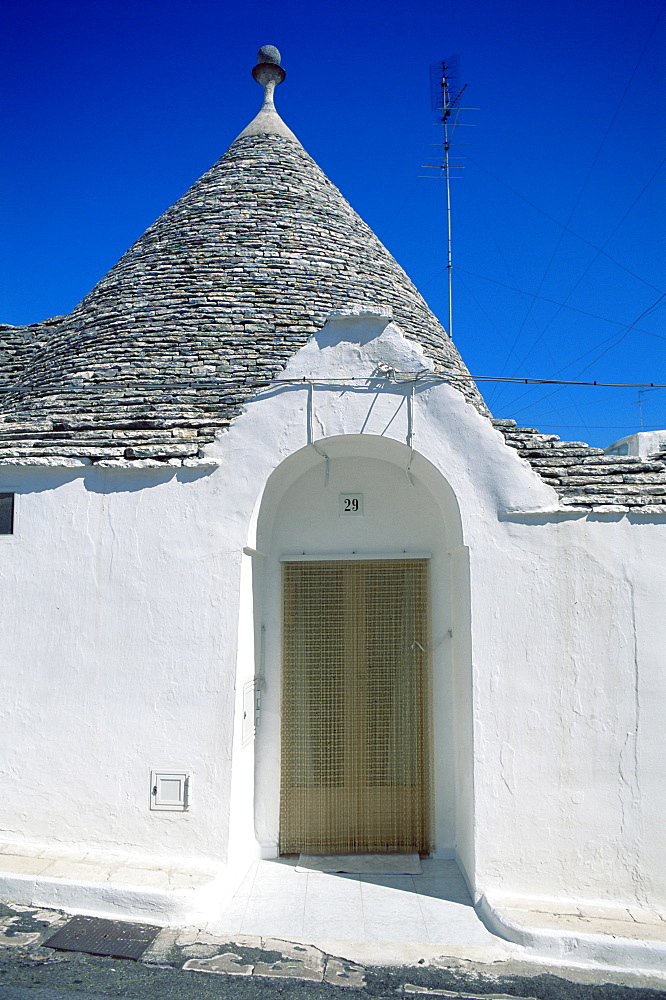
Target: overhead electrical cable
x=589, y=266
x=501, y=255
x=428, y=378
x=576, y=203
x=578, y=236
x=555, y=302
x=628, y=330
x=594, y=360
x=611, y=346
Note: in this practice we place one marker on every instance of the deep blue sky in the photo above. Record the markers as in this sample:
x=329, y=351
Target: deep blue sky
x=113, y=108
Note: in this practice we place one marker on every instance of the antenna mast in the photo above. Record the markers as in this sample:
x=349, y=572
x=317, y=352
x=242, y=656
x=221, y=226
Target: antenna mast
x=445, y=98
x=639, y=403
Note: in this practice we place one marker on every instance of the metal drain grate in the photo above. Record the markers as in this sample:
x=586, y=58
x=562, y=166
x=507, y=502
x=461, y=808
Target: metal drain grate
x=103, y=937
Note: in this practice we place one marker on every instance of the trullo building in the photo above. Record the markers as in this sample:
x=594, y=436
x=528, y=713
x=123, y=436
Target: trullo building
x=274, y=581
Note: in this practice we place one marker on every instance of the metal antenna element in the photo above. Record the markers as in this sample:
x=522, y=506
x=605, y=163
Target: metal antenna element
x=639, y=403
x=446, y=94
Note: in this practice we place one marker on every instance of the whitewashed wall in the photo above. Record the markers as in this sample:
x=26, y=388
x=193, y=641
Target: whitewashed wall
x=114, y=659
x=131, y=619
x=570, y=695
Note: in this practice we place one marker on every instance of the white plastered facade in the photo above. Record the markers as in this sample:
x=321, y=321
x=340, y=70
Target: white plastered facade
x=139, y=604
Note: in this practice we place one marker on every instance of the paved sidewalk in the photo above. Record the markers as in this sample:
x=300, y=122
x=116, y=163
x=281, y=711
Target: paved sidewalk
x=364, y=921
x=196, y=963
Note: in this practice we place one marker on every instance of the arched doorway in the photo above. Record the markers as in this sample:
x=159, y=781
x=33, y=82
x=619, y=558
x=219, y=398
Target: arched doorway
x=356, y=619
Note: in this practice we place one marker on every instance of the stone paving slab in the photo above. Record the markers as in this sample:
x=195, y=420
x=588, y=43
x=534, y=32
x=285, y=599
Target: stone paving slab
x=227, y=964
x=294, y=961
x=424, y=991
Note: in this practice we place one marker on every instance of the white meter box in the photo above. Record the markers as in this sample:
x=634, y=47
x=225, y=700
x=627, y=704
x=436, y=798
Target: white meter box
x=170, y=790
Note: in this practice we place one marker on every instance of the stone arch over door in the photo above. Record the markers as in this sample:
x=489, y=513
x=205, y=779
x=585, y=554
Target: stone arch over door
x=408, y=510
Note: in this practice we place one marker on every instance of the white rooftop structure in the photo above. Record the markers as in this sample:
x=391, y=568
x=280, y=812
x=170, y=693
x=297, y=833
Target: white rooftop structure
x=642, y=443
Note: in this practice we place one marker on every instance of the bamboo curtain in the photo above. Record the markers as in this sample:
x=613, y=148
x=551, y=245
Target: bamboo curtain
x=355, y=748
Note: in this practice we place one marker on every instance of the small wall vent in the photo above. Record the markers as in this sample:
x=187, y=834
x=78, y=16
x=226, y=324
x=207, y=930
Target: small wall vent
x=169, y=790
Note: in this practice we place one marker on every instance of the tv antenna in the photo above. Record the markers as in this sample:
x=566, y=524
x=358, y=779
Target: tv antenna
x=639, y=404
x=446, y=94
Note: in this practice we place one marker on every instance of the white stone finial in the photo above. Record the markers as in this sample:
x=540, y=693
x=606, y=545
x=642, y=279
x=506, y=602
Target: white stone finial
x=269, y=54
x=268, y=72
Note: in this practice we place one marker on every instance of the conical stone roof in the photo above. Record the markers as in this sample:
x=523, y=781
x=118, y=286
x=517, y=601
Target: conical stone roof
x=209, y=305
x=216, y=296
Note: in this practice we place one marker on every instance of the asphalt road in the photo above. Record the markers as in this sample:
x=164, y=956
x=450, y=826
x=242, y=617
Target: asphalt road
x=73, y=976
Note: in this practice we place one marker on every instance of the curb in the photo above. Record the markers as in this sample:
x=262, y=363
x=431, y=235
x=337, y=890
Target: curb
x=600, y=951
x=115, y=900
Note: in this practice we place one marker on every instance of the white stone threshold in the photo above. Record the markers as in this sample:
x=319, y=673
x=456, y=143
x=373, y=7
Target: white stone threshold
x=582, y=935
x=162, y=896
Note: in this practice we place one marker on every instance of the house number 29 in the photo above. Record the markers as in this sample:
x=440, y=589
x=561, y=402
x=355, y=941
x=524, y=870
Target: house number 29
x=351, y=504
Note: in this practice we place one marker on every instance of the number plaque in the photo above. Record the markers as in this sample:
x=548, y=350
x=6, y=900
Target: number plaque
x=351, y=504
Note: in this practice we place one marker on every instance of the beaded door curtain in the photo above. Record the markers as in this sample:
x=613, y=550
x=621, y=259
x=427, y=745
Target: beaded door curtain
x=355, y=740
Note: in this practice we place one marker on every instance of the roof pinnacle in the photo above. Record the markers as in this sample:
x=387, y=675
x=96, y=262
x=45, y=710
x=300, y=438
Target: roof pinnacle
x=268, y=72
